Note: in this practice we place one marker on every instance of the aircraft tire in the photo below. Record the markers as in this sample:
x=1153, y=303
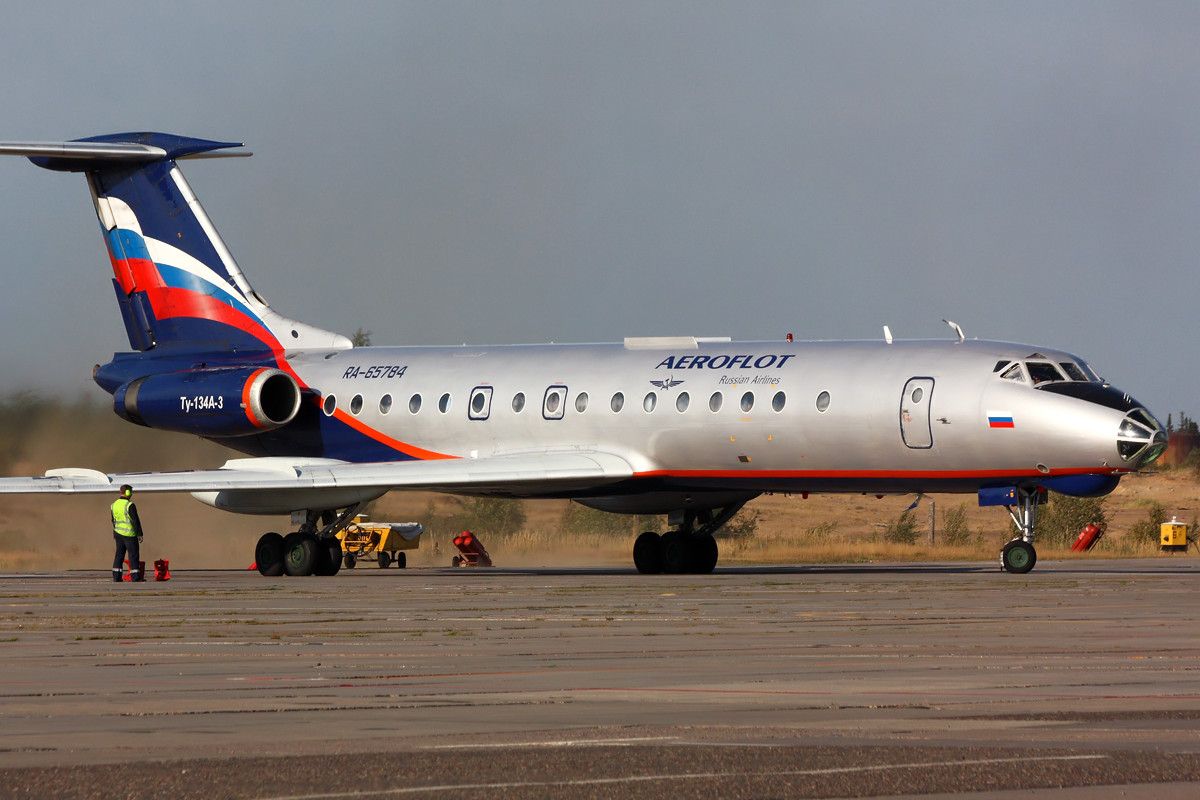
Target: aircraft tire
x=1018, y=557
x=299, y=553
x=350, y=561
x=329, y=558
x=384, y=559
x=647, y=553
x=704, y=554
x=401, y=560
x=676, y=553
x=268, y=555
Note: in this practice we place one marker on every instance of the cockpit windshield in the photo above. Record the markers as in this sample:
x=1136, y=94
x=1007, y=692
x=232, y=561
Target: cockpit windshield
x=1040, y=372
x=1073, y=371
x=1043, y=372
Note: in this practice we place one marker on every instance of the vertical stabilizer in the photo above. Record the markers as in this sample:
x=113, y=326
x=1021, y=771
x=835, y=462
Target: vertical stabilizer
x=177, y=285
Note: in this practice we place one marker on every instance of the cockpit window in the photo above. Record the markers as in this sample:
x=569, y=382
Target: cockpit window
x=1013, y=373
x=1043, y=372
x=1091, y=373
x=1001, y=365
x=1073, y=372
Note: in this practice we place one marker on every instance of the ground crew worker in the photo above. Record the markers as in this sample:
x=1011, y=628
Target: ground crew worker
x=127, y=530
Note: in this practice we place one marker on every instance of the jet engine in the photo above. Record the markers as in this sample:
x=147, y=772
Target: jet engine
x=211, y=402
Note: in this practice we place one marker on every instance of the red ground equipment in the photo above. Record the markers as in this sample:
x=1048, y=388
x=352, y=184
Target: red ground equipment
x=162, y=570
x=472, y=552
x=1087, y=538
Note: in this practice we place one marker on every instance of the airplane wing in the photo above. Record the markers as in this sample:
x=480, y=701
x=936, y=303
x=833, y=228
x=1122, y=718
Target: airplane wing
x=568, y=470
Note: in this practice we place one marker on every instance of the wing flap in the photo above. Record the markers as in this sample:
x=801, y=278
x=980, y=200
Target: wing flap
x=531, y=471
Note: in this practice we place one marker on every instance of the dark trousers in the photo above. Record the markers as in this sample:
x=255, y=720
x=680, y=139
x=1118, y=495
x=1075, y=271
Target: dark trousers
x=126, y=545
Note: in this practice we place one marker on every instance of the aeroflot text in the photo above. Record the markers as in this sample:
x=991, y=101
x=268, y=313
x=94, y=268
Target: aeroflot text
x=724, y=362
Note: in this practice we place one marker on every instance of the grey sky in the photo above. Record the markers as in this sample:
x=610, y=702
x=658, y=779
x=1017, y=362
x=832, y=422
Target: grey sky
x=497, y=172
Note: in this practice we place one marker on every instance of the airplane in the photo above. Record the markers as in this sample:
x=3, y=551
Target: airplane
x=689, y=427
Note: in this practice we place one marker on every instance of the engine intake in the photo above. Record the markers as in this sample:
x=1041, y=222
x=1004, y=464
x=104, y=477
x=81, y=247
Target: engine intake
x=211, y=402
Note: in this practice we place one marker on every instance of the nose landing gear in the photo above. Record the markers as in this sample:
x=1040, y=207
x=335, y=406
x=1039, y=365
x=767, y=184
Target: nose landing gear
x=1019, y=555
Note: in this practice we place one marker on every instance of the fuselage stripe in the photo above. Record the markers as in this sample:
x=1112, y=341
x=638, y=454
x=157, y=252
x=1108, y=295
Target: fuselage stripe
x=948, y=474
x=382, y=438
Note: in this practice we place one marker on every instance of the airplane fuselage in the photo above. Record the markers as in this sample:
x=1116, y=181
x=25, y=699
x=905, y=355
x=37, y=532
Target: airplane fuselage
x=722, y=417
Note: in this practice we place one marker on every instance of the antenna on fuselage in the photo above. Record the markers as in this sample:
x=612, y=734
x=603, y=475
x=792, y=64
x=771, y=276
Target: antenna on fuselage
x=962, y=337
x=887, y=334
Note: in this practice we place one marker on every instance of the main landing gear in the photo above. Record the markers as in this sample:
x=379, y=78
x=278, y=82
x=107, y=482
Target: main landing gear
x=312, y=550
x=1019, y=555
x=690, y=548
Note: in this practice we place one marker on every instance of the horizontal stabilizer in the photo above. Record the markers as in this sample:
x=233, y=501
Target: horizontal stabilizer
x=111, y=150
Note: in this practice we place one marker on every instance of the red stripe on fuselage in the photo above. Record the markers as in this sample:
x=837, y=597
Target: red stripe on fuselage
x=948, y=474
x=382, y=438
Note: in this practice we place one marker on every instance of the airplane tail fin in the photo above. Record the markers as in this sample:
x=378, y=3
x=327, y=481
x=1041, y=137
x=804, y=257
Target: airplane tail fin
x=177, y=285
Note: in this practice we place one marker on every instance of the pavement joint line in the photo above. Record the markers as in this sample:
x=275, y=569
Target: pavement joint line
x=452, y=787
x=553, y=743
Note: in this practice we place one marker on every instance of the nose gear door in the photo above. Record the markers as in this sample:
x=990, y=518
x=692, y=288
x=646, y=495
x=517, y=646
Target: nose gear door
x=916, y=428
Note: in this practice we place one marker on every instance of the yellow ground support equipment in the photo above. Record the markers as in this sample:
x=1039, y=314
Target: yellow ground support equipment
x=1173, y=536
x=382, y=542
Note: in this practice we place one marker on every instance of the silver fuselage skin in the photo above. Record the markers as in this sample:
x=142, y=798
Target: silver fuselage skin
x=968, y=427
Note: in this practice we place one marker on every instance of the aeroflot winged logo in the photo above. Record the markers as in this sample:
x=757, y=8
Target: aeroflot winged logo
x=667, y=383
x=743, y=361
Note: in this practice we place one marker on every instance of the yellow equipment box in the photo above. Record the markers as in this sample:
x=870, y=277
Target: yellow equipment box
x=1173, y=536
x=381, y=542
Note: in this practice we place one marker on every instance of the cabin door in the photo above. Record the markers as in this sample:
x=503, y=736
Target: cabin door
x=916, y=427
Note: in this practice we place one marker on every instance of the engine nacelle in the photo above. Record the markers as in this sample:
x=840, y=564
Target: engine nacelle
x=211, y=402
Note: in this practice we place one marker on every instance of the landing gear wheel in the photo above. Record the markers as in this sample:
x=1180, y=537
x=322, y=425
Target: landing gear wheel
x=329, y=558
x=299, y=553
x=1018, y=556
x=675, y=553
x=384, y=559
x=349, y=561
x=268, y=555
x=704, y=554
x=647, y=553
x=401, y=560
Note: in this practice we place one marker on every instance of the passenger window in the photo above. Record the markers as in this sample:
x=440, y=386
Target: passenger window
x=330, y=405
x=414, y=404
x=581, y=401
x=1042, y=372
x=681, y=402
x=714, y=402
x=618, y=402
x=650, y=402
x=778, y=401
x=747, y=402
x=518, y=402
x=554, y=402
x=444, y=403
x=823, y=402
x=356, y=404
x=480, y=406
x=385, y=404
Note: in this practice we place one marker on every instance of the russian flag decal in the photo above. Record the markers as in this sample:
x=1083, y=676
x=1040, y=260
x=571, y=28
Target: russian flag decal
x=1000, y=419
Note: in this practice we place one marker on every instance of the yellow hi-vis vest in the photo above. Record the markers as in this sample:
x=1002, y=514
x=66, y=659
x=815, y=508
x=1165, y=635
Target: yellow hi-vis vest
x=122, y=524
